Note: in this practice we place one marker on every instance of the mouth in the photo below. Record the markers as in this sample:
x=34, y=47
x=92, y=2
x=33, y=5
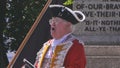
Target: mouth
x=52, y=28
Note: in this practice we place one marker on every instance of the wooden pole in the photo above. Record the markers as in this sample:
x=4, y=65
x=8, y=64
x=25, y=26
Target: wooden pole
x=29, y=34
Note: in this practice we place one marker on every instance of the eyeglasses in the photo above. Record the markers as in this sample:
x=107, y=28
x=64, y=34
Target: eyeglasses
x=56, y=21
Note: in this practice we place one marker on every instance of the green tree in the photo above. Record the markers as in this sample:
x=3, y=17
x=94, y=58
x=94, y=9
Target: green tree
x=21, y=15
x=16, y=18
x=68, y=3
x=3, y=50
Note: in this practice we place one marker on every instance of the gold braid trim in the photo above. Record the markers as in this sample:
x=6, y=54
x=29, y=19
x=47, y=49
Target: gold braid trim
x=57, y=50
x=59, y=55
x=43, y=55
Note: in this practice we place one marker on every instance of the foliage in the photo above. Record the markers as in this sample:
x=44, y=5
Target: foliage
x=3, y=50
x=20, y=16
x=68, y=2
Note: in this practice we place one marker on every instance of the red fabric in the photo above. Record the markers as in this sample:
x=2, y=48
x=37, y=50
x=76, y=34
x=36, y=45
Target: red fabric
x=36, y=64
x=75, y=57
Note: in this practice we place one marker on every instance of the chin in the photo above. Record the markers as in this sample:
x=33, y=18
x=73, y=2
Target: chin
x=52, y=35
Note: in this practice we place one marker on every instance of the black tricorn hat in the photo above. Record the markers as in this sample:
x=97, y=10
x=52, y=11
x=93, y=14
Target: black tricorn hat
x=66, y=13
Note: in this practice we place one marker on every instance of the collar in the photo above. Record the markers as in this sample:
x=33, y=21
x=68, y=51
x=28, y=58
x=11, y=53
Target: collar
x=58, y=41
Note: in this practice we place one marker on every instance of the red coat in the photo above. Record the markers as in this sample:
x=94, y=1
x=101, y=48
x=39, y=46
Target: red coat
x=75, y=57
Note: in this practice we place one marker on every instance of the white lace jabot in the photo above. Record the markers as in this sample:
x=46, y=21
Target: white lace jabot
x=54, y=44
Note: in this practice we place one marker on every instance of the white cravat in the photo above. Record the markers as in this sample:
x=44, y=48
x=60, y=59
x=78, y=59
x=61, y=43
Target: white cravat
x=54, y=44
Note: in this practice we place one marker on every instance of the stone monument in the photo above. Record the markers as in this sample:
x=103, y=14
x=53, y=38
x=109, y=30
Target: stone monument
x=100, y=32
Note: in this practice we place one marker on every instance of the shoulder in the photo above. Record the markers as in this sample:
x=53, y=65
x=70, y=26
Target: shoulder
x=76, y=40
x=76, y=49
x=77, y=45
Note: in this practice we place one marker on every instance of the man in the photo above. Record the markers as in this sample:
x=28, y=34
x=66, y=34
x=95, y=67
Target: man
x=64, y=50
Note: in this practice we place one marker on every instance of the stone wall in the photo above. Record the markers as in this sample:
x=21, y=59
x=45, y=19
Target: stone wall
x=99, y=56
x=102, y=24
x=100, y=32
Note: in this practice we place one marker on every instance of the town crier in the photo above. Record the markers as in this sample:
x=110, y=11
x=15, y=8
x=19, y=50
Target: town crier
x=64, y=50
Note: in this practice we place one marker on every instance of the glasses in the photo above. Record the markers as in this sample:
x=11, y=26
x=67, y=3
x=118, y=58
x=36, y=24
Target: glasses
x=56, y=21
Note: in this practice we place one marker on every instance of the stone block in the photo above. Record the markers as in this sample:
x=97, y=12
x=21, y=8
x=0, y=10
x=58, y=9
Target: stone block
x=102, y=56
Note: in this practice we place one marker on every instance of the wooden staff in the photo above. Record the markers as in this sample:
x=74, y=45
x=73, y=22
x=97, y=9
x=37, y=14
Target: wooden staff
x=29, y=34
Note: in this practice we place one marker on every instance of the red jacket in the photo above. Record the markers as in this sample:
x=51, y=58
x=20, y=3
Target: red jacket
x=75, y=57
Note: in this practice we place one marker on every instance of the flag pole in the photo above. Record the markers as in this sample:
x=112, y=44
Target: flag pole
x=29, y=34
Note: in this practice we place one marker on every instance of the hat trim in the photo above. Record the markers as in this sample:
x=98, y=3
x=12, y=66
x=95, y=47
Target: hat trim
x=80, y=20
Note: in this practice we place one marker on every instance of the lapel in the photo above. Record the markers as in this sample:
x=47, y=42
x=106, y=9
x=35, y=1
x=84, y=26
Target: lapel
x=60, y=54
x=43, y=53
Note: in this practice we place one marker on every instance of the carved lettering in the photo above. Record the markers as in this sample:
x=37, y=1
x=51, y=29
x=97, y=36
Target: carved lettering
x=95, y=6
x=90, y=29
x=106, y=14
x=89, y=14
x=112, y=6
x=101, y=16
x=114, y=28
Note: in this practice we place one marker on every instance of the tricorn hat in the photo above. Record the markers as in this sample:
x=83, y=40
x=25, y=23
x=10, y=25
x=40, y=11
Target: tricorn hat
x=66, y=13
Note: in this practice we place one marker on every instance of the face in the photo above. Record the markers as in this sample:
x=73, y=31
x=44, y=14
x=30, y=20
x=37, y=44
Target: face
x=59, y=27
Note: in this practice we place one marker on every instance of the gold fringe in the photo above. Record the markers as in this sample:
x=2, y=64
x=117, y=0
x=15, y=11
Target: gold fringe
x=57, y=50
x=43, y=55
